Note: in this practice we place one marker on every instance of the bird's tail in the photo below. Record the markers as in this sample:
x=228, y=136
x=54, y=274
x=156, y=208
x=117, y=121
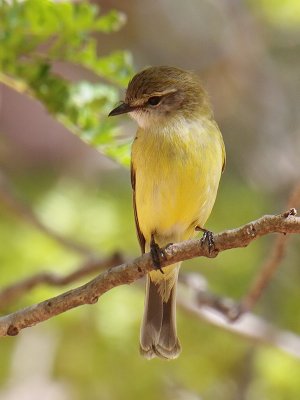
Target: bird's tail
x=158, y=332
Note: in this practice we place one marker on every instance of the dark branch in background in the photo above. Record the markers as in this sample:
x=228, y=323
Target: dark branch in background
x=16, y=290
x=250, y=326
x=131, y=271
x=269, y=268
x=16, y=205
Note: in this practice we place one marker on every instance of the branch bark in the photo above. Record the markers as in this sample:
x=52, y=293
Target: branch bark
x=129, y=272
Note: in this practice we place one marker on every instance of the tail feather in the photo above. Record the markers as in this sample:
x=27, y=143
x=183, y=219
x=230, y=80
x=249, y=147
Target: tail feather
x=158, y=331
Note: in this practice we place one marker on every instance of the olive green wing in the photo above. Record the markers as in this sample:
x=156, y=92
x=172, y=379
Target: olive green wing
x=141, y=238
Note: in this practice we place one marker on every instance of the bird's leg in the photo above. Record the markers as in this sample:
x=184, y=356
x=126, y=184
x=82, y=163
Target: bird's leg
x=208, y=237
x=156, y=253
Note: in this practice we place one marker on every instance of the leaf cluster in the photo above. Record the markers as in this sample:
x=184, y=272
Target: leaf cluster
x=37, y=35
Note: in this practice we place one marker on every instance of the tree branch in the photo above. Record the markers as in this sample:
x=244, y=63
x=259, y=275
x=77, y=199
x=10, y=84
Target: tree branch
x=18, y=289
x=131, y=271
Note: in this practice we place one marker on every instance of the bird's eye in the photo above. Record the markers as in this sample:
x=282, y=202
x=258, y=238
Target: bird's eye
x=153, y=101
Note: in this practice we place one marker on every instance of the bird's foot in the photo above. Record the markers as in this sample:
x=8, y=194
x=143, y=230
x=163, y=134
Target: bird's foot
x=208, y=239
x=157, y=254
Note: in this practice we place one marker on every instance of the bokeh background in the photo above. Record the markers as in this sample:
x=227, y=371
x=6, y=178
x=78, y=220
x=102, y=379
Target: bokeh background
x=247, y=53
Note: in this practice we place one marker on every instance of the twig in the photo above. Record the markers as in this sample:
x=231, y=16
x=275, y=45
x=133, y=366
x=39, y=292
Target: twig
x=18, y=289
x=18, y=207
x=129, y=272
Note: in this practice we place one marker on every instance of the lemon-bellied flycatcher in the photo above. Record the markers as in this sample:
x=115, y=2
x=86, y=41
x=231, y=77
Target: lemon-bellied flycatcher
x=177, y=159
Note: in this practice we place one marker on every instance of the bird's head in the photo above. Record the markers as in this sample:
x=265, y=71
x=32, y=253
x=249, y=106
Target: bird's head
x=159, y=95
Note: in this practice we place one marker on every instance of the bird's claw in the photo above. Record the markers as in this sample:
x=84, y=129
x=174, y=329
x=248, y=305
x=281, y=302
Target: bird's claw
x=157, y=254
x=208, y=238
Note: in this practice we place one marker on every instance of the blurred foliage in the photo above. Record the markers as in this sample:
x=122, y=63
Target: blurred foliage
x=35, y=34
x=92, y=352
x=279, y=13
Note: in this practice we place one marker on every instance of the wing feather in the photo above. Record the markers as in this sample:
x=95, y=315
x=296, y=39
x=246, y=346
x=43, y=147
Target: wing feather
x=224, y=154
x=140, y=236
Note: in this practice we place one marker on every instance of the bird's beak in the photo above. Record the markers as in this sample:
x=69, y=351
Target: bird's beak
x=121, y=109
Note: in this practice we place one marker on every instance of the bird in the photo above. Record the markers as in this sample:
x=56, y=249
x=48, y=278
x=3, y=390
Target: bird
x=177, y=158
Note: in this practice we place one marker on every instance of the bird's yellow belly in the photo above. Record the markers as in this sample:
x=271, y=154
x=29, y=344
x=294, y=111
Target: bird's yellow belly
x=175, y=188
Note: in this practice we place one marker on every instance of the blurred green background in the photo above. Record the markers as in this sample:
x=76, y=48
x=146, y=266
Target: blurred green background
x=63, y=66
